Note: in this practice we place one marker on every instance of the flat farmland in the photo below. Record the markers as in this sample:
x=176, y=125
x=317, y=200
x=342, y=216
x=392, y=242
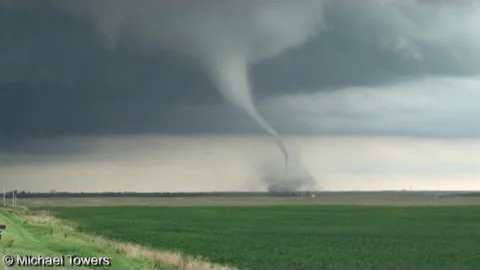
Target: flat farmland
x=303, y=234
x=323, y=199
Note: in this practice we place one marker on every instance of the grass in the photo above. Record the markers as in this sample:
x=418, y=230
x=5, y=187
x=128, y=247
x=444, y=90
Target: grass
x=327, y=236
x=34, y=235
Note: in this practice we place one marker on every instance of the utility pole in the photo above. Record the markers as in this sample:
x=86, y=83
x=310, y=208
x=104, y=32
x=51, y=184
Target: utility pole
x=13, y=198
x=4, y=197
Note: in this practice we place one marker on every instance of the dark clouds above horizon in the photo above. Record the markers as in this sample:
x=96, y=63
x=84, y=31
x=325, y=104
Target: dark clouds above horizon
x=392, y=69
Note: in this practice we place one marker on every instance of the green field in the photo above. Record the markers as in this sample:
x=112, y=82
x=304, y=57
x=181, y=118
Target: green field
x=427, y=237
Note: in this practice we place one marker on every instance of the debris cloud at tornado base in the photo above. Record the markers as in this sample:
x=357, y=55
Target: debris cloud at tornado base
x=271, y=177
x=298, y=179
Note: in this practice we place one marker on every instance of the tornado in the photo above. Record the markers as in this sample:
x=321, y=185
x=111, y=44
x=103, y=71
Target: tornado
x=226, y=37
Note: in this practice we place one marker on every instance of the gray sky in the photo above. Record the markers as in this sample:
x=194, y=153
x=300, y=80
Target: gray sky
x=73, y=71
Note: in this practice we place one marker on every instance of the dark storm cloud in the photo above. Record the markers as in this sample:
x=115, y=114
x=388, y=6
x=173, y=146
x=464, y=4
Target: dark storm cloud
x=58, y=78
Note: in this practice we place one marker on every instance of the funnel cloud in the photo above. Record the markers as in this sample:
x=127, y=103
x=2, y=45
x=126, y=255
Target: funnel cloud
x=226, y=41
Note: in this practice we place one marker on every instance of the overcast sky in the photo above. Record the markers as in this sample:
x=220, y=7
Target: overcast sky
x=73, y=71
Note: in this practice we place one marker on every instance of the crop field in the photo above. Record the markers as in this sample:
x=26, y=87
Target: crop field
x=322, y=199
x=297, y=236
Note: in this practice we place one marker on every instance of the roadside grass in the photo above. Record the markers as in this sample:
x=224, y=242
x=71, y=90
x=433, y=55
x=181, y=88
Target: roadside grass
x=29, y=234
